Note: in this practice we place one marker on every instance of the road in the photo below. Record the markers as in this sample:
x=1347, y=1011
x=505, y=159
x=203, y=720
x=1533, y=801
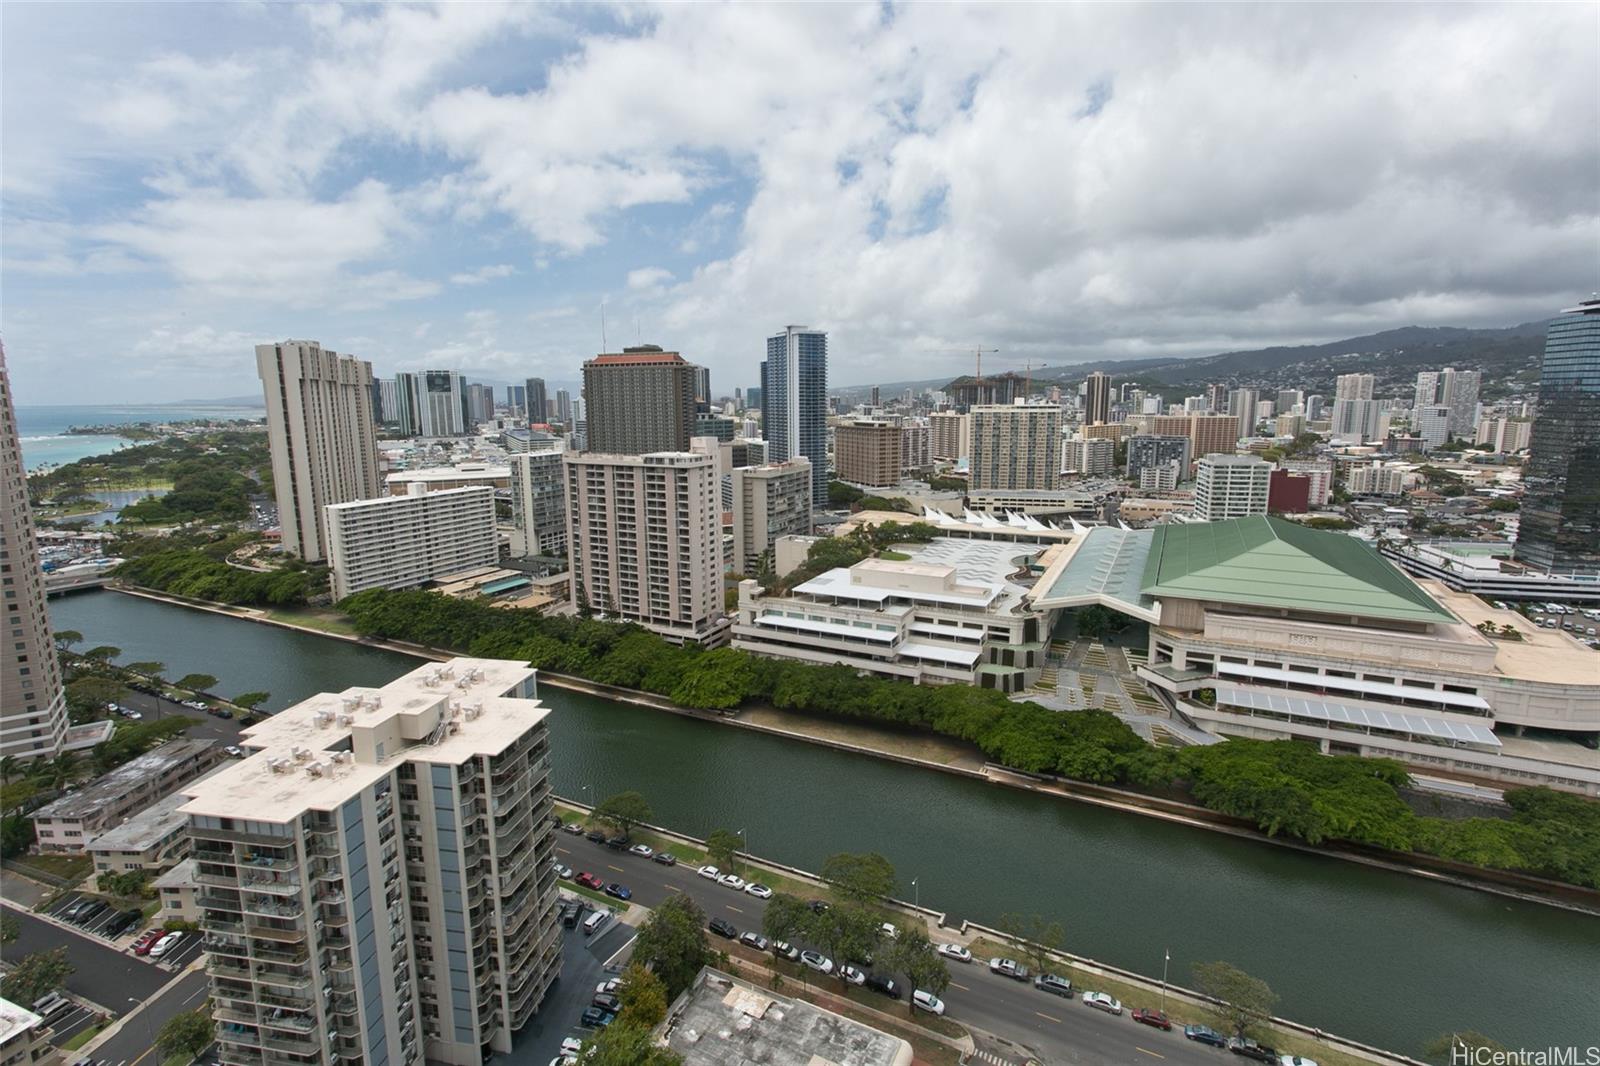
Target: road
x=202, y=726
x=135, y=1039
x=101, y=973
x=1058, y=1030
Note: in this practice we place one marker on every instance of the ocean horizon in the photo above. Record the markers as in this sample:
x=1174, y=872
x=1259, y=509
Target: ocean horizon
x=46, y=442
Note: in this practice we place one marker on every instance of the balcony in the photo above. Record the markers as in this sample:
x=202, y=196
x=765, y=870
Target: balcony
x=276, y=933
x=218, y=966
x=276, y=884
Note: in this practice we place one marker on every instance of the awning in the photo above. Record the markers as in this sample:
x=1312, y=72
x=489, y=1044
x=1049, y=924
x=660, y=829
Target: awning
x=1356, y=686
x=937, y=652
x=831, y=629
x=1357, y=714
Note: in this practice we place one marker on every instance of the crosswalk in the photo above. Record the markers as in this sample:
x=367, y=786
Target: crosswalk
x=991, y=1058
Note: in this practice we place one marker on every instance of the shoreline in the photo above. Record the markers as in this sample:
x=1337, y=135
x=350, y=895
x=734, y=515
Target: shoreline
x=1506, y=884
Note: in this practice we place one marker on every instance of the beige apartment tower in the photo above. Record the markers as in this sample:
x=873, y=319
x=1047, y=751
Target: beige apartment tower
x=645, y=541
x=639, y=400
x=33, y=711
x=375, y=878
x=768, y=502
x=867, y=452
x=950, y=435
x=324, y=445
x=1016, y=446
x=1213, y=435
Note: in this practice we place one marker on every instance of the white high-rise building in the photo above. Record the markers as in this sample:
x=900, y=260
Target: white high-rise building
x=1089, y=456
x=1231, y=486
x=645, y=539
x=1321, y=475
x=1160, y=477
x=319, y=428
x=916, y=445
x=1356, y=420
x=397, y=542
x=1242, y=402
x=1505, y=434
x=1354, y=387
x=33, y=710
x=1455, y=389
x=768, y=502
x=538, y=504
x=376, y=880
x=1374, y=480
x=441, y=404
x=1432, y=424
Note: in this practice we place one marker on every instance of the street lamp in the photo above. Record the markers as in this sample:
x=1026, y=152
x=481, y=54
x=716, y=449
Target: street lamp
x=1166, y=958
x=149, y=1026
x=916, y=894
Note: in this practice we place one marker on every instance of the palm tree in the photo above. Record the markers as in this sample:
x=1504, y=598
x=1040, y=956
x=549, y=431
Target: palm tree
x=60, y=769
x=8, y=767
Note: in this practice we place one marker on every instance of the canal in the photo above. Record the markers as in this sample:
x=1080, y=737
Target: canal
x=1377, y=956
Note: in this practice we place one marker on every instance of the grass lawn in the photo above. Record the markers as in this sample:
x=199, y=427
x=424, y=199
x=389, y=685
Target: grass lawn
x=1180, y=1011
x=324, y=619
x=70, y=868
x=79, y=1039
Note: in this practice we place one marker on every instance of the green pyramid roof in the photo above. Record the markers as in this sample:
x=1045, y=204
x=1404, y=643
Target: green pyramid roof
x=1272, y=562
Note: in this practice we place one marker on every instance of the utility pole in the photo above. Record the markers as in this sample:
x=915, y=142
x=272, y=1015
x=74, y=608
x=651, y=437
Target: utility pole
x=1166, y=958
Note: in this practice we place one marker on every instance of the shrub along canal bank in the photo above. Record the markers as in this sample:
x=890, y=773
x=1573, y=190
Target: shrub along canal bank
x=1390, y=961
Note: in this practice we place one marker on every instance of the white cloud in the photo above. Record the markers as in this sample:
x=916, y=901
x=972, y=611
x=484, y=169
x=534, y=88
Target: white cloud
x=483, y=274
x=648, y=278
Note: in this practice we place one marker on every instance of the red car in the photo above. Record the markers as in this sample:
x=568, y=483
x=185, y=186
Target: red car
x=1152, y=1017
x=589, y=880
x=147, y=940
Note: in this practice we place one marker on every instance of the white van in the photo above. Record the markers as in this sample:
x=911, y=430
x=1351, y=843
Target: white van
x=594, y=922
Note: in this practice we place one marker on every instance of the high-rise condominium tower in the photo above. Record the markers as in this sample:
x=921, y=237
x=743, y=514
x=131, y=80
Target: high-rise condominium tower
x=536, y=400
x=1455, y=389
x=794, y=402
x=1097, y=398
x=33, y=712
x=638, y=400
x=441, y=404
x=376, y=879
x=319, y=427
x=1559, y=530
x=1016, y=447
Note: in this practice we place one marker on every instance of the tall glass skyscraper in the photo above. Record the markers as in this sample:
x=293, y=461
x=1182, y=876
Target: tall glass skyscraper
x=1559, y=530
x=794, y=402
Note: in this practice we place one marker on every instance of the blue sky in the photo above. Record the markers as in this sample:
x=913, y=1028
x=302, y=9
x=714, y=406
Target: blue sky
x=465, y=186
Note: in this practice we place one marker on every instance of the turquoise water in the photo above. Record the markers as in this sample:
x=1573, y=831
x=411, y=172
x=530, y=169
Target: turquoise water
x=45, y=440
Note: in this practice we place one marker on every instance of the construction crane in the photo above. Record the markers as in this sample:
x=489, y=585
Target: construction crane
x=977, y=350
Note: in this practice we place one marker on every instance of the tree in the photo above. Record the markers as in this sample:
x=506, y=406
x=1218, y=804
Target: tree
x=186, y=1034
x=644, y=998
x=626, y=1045
x=862, y=878
x=672, y=943
x=251, y=700
x=849, y=931
x=1504, y=503
x=786, y=917
x=723, y=847
x=914, y=955
x=103, y=653
x=150, y=669
x=624, y=810
x=16, y=835
x=66, y=638
x=34, y=975
x=8, y=768
x=1247, y=1001
x=60, y=770
x=10, y=929
x=196, y=682
x=1036, y=938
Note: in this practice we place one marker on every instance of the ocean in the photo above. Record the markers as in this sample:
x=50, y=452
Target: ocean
x=45, y=440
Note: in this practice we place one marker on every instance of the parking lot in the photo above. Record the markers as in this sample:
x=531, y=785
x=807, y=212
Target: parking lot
x=586, y=962
x=103, y=927
x=1581, y=622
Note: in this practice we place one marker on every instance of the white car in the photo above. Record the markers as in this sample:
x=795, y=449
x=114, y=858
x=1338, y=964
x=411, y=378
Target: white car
x=927, y=1001
x=1295, y=1060
x=607, y=988
x=955, y=951
x=233, y=751
x=644, y=850
x=758, y=891
x=852, y=975
x=710, y=873
x=1102, y=1001
x=817, y=961
x=889, y=929
x=563, y=871
x=571, y=1046
x=733, y=881
x=165, y=944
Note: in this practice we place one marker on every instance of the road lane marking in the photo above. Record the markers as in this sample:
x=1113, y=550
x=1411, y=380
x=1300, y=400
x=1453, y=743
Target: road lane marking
x=674, y=888
x=563, y=851
x=619, y=869
x=963, y=988
x=1147, y=1051
x=734, y=909
x=1047, y=1017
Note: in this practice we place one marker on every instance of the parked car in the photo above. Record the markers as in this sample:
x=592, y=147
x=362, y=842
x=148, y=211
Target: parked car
x=146, y=941
x=710, y=873
x=594, y=922
x=575, y=828
x=852, y=975
x=758, y=891
x=927, y=1001
x=619, y=891
x=589, y=880
x=608, y=988
x=665, y=858
x=818, y=906
x=733, y=881
x=1249, y=1049
x=595, y=1018
x=571, y=911
x=1154, y=1018
x=889, y=929
x=221, y=712
x=606, y=1001
x=1102, y=1001
x=722, y=927
x=644, y=850
x=596, y=836
x=1295, y=1060
x=165, y=945
x=617, y=843
x=955, y=951
x=1204, y=1034
x=816, y=960
x=1009, y=968
x=233, y=751
x=879, y=983
x=754, y=940
x=124, y=921
x=78, y=907
x=87, y=914
x=786, y=951
x=1056, y=986
x=563, y=871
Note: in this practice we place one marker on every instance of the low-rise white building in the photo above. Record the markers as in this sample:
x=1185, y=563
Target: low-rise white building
x=398, y=542
x=1231, y=486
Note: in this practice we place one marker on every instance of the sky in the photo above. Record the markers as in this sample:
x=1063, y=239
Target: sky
x=477, y=186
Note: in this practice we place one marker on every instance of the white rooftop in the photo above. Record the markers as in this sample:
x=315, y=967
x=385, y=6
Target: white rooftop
x=15, y=1020
x=439, y=713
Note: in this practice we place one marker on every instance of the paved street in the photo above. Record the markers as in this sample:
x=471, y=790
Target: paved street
x=136, y=1038
x=101, y=973
x=203, y=726
x=1057, y=1030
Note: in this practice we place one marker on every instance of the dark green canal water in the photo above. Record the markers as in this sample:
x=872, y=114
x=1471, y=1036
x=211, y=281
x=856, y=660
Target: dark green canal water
x=1377, y=956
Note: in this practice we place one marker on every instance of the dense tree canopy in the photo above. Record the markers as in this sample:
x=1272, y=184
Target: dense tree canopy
x=672, y=943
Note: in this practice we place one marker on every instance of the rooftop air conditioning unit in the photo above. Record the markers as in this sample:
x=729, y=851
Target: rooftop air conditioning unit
x=300, y=754
x=314, y=769
x=344, y=756
x=375, y=703
x=323, y=719
x=344, y=719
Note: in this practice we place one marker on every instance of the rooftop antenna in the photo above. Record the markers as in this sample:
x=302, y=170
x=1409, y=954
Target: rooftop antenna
x=603, y=325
